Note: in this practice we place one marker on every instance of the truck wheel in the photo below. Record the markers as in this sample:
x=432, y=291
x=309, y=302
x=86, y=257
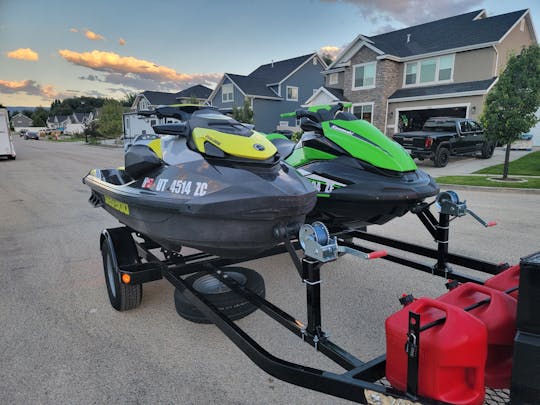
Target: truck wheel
x=487, y=150
x=442, y=156
x=117, y=249
x=219, y=295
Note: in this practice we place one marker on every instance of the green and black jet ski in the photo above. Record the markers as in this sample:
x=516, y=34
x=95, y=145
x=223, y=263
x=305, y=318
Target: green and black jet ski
x=209, y=183
x=361, y=175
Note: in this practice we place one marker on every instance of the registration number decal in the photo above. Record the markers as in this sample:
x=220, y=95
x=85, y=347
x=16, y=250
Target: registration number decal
x=117, y=205
x=183, y=187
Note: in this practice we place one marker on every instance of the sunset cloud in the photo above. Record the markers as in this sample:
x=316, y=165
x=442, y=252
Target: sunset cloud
x=74, y=30
x=122, y=41
x=138, y=68
x=30, y=87
x=93, y=36
x=410, y=12
x=23, y=54
x=330, y=50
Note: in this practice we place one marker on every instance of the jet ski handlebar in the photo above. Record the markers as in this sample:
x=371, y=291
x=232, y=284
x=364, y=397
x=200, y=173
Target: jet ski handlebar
x=317, y=113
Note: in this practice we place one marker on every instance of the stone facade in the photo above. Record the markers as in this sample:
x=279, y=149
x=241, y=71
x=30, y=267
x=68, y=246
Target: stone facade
x=387, y=80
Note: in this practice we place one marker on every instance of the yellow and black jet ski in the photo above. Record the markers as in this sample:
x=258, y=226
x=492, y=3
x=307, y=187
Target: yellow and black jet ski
x=209, y=183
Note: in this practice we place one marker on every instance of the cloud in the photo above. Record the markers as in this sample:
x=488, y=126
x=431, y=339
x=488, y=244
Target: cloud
x=128, y=65
x=122, y=41
x=330, y=50
x=74, y=30
x=410, y=12
x=93, y=36
x=92, y=78
x=30, y=87
x=24, y=54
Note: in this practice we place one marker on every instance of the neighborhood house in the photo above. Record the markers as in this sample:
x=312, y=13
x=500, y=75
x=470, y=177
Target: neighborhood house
x=399, y=79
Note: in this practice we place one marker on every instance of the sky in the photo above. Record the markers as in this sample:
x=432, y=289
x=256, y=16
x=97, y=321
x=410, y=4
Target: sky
x=109, y=48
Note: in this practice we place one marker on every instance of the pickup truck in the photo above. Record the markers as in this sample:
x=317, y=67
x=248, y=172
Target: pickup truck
x=442, y=137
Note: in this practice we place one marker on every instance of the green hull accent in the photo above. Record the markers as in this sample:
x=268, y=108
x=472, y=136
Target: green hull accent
x=305, y=155
x=271, y=137
x=374, y=148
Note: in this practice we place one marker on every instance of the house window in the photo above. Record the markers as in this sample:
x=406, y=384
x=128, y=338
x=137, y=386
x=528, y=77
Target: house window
x=522, y=25
x=429, y=71
x=292, y=93
x=364, y=111
x=410, y=73
x=297, y=123
x=364, y=76
x=333, y=78
x=227, y=93
x=283, y=123
x=314, y=61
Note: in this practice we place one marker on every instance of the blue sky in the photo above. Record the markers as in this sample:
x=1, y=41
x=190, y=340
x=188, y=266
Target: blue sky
x=57, y=49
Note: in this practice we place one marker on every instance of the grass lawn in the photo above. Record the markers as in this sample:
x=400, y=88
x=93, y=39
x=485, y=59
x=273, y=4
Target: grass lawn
x=528, y=165
x=483, y=181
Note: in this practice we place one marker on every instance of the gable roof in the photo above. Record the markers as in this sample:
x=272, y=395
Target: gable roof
x=197, y=91
x=471, y=29
x=252, y=86
x=477, y=87
x=275, y=72
x=159, y=97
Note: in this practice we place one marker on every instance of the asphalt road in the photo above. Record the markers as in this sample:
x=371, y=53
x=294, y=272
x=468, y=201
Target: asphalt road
x=61, y=342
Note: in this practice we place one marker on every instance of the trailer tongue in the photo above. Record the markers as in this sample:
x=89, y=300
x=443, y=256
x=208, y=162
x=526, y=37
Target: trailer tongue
x=441, y=345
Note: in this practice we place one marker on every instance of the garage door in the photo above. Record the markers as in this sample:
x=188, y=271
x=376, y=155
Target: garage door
x=413, y=120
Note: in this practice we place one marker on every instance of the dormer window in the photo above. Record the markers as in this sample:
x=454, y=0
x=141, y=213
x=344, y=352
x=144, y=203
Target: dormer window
x=364, y=76
x=429, y=71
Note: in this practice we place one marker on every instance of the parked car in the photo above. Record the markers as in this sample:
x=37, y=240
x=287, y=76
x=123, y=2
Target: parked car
x=442, y=137
x=31, y=135
x=22, y=132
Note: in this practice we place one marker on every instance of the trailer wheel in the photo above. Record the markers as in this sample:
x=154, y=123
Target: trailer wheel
x=219, y=295
x=117, y=249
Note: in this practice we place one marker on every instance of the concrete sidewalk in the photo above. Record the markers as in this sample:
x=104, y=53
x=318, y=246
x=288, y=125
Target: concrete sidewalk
x=460, y=165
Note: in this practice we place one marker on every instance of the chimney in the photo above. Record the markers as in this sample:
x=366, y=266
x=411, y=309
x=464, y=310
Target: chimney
x=408, y=38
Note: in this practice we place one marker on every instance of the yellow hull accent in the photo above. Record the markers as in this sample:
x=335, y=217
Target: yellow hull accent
x=117, y=205
x=255, y=147
x=155, y=145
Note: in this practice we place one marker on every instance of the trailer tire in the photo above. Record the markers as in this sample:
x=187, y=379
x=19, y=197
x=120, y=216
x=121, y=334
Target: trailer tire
x=117, y=249
x=219, y=295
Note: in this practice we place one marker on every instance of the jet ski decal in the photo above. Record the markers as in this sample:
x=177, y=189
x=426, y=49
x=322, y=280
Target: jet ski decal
x=117, y=205
x=323, y=185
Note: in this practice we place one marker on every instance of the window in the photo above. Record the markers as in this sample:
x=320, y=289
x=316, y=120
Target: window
x=314, y=61
x=364, y=76
x=410, y=73
x=465, y=126
x=333, y=78
x=363, y=112
x=283, y=123
x=475, y=126
x=292, y=93
x=227, y=93
x=298, y=122
x=429, y=71
x=522, y=25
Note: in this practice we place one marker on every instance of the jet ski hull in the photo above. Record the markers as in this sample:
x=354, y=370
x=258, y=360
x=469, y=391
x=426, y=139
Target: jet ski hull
x=225, y=211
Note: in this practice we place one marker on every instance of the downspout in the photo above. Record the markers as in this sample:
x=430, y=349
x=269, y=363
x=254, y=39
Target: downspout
x=386, y=118
x=495, y=73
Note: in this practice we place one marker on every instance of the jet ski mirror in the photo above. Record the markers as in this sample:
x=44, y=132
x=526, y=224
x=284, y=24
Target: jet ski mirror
x=178, y=129
x=309, y=125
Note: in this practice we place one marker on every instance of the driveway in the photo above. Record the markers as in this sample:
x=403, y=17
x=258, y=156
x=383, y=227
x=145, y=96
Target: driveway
x=459, y=165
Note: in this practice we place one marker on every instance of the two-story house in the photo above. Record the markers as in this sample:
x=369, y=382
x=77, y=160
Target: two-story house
x=446, y=67
x=19, y=121
x=271, y=89
x=133, y=124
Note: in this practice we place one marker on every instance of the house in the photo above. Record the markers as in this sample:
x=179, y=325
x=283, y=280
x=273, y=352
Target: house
x=271, y=89
x=78, y=122
x=133, y=124
x=19, y=121
x=446, y=67
x=58, y=121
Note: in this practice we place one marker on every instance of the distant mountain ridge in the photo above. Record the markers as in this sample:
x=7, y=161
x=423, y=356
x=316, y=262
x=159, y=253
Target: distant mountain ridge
x=21, y=109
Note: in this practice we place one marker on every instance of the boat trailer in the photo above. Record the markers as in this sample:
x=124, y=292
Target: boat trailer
x=131, y=263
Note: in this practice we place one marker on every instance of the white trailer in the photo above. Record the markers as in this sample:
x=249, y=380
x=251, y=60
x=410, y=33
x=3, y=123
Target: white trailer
x=6, y=143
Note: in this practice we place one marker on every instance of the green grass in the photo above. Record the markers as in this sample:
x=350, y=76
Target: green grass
x=528, y=165
x=483, y=181
x=71, y=140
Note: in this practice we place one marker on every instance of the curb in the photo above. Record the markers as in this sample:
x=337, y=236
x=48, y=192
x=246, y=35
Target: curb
x=493, y=189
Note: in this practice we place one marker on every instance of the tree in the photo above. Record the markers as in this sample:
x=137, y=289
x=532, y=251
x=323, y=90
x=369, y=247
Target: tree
x=327, y=58
x=245, y=113
x=110, y=118
x=39, y=117
x=28, y=113
x=128, y=99
x=510, y=107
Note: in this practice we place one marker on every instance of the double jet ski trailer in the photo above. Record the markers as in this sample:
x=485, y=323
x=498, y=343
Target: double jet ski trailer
x=131, y=259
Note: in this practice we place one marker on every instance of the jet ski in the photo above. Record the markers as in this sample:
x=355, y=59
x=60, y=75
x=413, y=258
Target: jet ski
x=208, y=182
x=362, y=177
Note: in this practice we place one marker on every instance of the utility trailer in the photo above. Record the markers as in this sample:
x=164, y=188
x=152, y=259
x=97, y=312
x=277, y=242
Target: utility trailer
x=130, y=262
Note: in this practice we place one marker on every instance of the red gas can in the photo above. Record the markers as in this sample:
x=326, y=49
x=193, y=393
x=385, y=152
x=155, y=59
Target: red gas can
x=452, y=355
x=505, y=280
x=499, y=316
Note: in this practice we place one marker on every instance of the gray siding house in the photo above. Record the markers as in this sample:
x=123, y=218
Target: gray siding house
x=398, y=79
x=20, y=120
x=271, y=89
